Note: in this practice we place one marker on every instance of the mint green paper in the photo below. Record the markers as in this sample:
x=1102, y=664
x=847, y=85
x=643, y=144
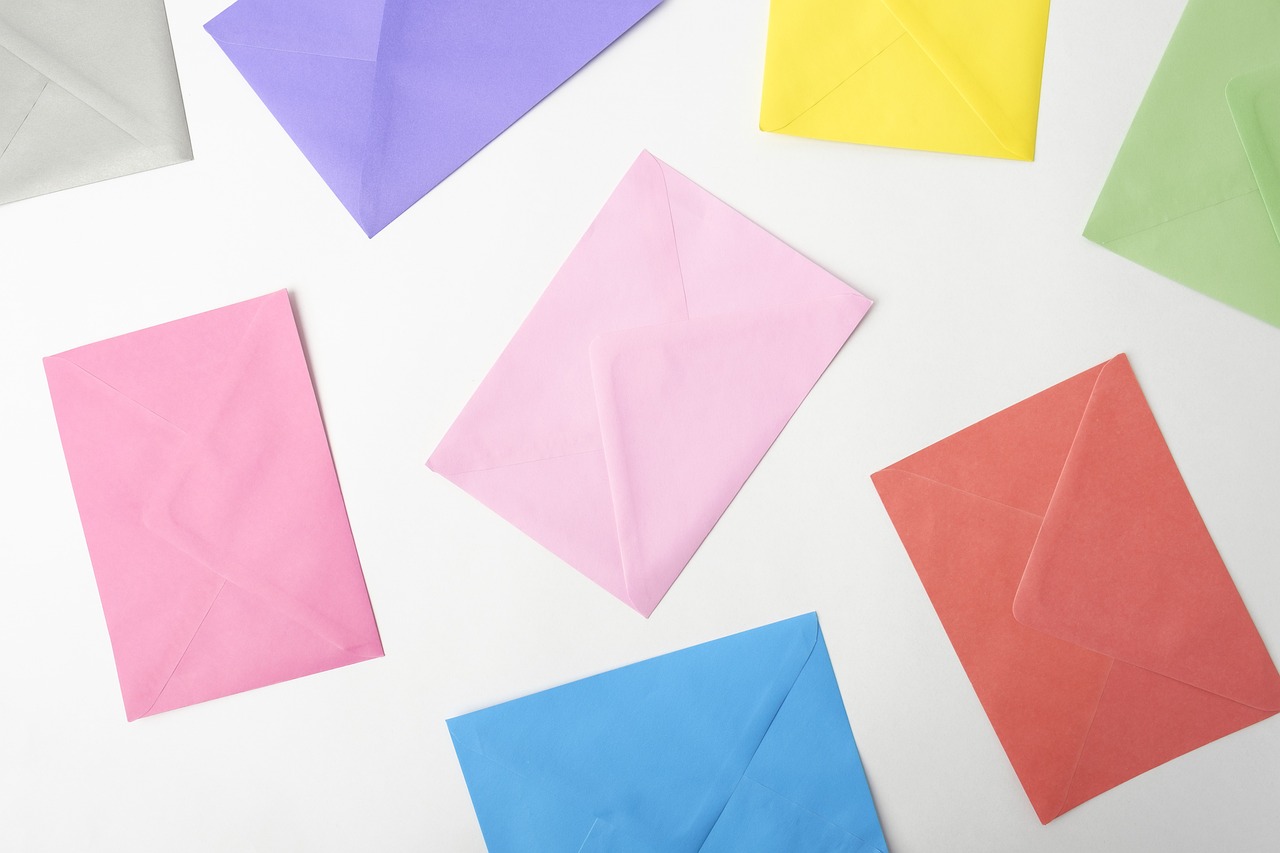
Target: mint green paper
x=1184, y=196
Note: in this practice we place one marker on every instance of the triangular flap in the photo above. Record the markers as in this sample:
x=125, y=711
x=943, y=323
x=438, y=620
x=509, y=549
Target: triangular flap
x=323, y=103
x=62, y=143
x=253, y=494
x=809, y=759
x=153, y=597
x=1015, y=456
x=1182, y=153
x=730, y=264
x=169, y=368
x=813, y=47
x=655, y=748
x=1125, y=566
x=454, y=74
x=686, y=412
x=1255, y=106
x=992, y=51
x=537, y=401
x=116, y=57
x=348, y=30
x=1039, y=692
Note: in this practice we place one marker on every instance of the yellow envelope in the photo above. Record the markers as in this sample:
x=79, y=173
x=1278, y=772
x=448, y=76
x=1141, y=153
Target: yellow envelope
x=961, y=76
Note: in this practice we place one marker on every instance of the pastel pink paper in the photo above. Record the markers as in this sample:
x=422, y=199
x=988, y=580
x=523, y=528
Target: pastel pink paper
x=647, y=383
x=212, y=511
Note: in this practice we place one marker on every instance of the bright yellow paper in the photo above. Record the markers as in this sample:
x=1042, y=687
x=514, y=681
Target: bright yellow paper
x=961, y=76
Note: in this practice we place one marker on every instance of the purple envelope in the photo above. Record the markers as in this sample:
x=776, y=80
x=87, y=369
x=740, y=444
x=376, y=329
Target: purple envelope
x=387, y=98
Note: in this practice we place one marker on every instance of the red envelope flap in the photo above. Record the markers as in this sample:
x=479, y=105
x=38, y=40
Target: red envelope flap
x=537, y=402
x=254, y=496
x=687, y=410
x=1125, y=566
x=1015, y=456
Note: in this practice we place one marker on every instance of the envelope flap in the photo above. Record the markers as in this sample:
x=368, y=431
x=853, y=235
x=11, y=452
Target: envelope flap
x=114, y=56
x=537, y=402
x=1182, y=154
x=1014, y=457
x=253, y=494
x=992, y=51
x=654, y=749
x=687, y=410
x=1255, y=106
x=1125, y=566
x=805, y=788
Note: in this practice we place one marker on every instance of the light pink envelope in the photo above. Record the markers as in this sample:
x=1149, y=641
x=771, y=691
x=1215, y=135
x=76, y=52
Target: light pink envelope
x=648, y=382
x=211, y=507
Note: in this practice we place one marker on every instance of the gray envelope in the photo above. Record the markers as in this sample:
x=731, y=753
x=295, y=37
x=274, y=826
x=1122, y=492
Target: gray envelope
x=88, y=91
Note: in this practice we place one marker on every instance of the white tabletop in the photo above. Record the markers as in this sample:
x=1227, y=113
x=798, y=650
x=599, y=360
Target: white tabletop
x=986, y=293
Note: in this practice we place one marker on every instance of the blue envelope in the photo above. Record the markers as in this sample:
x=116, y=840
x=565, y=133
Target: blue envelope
x=741, y=744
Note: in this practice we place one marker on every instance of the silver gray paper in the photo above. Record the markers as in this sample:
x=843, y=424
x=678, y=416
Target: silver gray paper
x=88, y=91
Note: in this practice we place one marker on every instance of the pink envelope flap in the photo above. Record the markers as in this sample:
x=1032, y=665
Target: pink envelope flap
x=665, y=272
x=189, y=445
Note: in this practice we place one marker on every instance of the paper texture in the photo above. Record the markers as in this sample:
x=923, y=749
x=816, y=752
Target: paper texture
x=211, y=508
x=1194, y=190
x=1080, y=588
x=387, y=98
x=648, y=381
x=88, y=91
x=960, y=76
x=735, y=745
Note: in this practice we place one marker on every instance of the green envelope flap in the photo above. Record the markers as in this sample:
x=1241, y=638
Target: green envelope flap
x=1182, y=198
x=1255, y=105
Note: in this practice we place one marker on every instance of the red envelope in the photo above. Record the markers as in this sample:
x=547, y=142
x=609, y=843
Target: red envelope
x=216, y=527
x=1080, y=588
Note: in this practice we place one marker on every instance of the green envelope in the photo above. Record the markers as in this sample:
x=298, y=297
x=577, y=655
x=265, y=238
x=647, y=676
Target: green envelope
x=1195, y=191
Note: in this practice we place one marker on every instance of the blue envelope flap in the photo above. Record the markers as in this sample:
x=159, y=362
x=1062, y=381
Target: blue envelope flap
x=648, y=758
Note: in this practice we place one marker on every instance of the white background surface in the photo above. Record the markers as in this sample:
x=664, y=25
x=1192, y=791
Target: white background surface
x=985, y=294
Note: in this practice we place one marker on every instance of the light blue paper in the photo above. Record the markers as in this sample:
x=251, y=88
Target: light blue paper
x=741, y=744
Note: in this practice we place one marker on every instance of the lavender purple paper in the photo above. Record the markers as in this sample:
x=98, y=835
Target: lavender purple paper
x=387, y=98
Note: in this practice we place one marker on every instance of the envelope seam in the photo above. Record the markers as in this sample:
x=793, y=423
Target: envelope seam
x=832, y=91
x=1111, y=240
x=799, y=671
x=1075, y=768
x=113, y=388
x=675, y=239
x=295, y=52
x=23, y=123
x=965, y=492
x=185, y=649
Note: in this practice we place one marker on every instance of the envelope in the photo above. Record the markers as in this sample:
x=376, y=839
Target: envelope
x=741, y=744
x=88, y=91
x=211, y=508
x=961, y=76
x=1194, y=193
x=648, y=381
x=1080, y=588
x=387, y=98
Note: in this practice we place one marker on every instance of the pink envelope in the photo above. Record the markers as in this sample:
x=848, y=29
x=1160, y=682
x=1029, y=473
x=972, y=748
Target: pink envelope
x=647, y=383
x=211, y=507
